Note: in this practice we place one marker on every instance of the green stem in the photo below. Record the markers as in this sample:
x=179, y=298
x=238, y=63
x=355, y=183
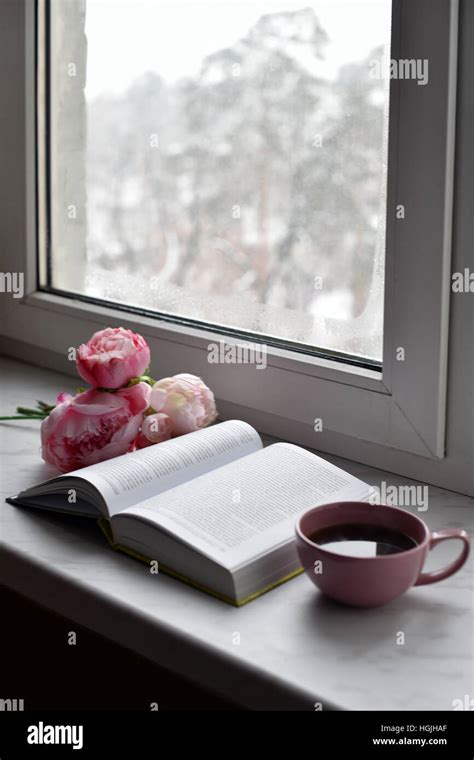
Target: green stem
x=29, y=412
x=44, y=407
x=23, y=417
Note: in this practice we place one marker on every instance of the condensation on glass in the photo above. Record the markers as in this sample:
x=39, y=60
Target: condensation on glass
x=225, y=162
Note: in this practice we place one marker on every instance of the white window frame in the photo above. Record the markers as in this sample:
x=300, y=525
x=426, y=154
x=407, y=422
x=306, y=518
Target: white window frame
x=413, y=418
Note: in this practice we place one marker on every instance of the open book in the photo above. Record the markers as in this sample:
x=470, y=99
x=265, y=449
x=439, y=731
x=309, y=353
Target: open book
x=212, y=507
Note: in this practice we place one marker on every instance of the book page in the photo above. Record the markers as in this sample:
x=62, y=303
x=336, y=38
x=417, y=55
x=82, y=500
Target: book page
x=251, y=505
x=128, y=479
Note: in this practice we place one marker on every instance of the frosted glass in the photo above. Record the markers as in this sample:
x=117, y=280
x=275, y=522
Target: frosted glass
x=229, y=163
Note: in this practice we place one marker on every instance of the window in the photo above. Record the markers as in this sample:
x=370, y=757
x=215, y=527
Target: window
x=396, y=398
x=231, y=168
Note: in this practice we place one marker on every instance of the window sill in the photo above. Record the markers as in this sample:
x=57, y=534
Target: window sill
x=284, y=661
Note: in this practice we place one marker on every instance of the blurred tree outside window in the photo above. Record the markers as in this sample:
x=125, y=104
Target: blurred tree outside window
x=228, y=164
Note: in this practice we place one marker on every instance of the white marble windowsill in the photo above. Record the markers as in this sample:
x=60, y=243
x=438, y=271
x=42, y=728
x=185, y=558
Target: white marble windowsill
x=296, y=648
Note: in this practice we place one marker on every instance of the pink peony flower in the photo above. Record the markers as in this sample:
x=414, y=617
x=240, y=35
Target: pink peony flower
x=112, y=357
x=155, y=429
x=187, y=401
x=61, y=397
x=93, y=426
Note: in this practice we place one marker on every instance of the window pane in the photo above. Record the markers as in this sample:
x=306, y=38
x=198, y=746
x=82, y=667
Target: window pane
x=224, y=162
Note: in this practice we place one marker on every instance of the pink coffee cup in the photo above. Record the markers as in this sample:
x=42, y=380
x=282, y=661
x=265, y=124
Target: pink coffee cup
x=375, y=580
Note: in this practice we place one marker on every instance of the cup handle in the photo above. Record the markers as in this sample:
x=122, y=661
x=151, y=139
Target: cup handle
x=436, y=538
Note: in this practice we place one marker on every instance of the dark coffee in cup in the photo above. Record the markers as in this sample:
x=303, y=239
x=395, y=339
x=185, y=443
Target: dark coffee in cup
x=362, y=540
